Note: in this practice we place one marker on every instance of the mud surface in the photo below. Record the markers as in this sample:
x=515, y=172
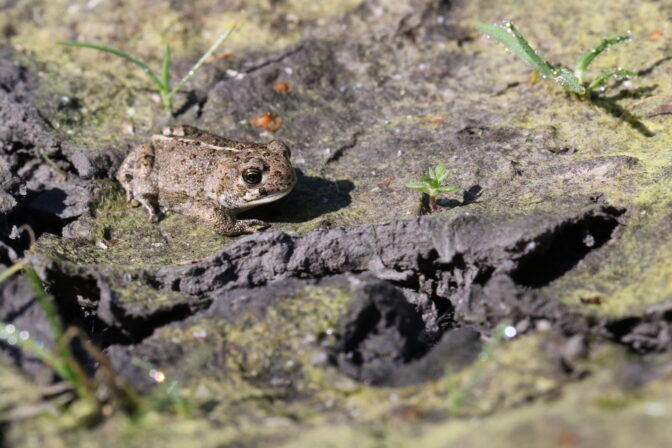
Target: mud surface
x=354, y=317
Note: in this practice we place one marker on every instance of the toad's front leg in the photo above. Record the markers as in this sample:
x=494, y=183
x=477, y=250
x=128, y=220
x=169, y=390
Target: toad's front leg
x=223, y=223
x=136, y=175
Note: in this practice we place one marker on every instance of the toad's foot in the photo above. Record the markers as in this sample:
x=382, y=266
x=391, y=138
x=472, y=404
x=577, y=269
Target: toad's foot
x=223, y=223
x=249, y=226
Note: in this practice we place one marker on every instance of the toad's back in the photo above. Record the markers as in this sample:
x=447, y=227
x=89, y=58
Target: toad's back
x=192, y=169
x=203, y=175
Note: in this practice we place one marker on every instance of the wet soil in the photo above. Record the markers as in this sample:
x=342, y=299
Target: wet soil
x=356, y=316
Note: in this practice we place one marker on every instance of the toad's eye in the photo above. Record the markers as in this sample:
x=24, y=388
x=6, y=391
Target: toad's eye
x=252, y=176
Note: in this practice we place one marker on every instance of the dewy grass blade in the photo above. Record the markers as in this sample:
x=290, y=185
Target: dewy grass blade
x=618, y=74
x=573, y=82
x=509, y=36
x=164, y=89
x=585, y=60
x=201, y=61
x=163, y=83
x=165, y=69
x=8, y=331
x=121, y=54
x=568, y=81
x=45, y=303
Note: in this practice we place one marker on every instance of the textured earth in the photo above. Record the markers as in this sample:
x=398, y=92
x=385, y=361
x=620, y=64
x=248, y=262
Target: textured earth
x=534, y=308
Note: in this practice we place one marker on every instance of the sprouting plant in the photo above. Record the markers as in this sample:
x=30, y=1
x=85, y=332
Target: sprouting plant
x=508, y=35
x=162, y=83
x=432, y=185
x=61, y=358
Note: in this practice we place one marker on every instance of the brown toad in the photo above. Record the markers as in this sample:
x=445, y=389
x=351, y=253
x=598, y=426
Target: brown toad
x=211, y=178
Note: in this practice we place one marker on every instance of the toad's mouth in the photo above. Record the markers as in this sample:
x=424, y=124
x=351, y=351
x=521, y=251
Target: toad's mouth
x=266, y=199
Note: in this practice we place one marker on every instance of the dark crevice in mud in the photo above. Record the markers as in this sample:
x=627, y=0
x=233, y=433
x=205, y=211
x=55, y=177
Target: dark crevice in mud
x=381, y=332
x=425, y=283
x=557, y=252
x=86, y=301
x=650, y=333
x=448, y=286
x=77, y=296
x=26, y=222
x=426, y=290
x=135, y=329
x=45, y=184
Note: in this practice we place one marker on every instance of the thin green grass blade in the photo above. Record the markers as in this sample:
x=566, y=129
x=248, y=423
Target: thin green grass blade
x=201, y=61
x=165, y=69
x=460, y=392
x=53, y=165
x=509, y=36
x=119, y=53
x=619, y=73
x=585, y=60
x=22, y=339
x=45, y=303
x=13, y=269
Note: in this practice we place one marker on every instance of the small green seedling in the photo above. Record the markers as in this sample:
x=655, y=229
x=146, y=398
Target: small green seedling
x=432, y=185
x=162, y=83
x=508, y=35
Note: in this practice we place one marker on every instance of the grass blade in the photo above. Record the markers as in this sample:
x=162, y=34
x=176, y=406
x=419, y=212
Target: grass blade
x=568, y=81
x=509, y=36
x=45, y=303
x=53, y=165
x=201, y=61
x=459, y=393
x=584, y=61
x=115, y=52
x=4, y=275
x=62, y=361
x=619, y=73
x=165, y=69
x=21, y=339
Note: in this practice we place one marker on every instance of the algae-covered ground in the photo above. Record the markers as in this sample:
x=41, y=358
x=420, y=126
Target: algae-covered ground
x=533, y=309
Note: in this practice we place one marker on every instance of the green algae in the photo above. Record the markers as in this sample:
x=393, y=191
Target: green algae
x=95, y=99
x=634, y=273
x=267, y=341
x=629, y=275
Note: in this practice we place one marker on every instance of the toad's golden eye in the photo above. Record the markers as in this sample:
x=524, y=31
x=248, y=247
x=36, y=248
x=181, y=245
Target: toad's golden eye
x=252, y=176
